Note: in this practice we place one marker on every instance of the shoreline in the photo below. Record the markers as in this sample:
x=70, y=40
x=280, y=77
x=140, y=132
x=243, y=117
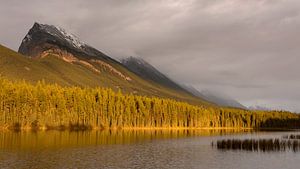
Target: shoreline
x=145, y=129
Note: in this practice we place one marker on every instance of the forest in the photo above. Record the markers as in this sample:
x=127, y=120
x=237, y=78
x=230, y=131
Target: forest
x=50, y=106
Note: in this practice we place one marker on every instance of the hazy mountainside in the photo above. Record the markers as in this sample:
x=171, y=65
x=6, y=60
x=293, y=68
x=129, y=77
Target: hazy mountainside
x=59, y=57
x=147, y=71
x=221, y=100
x=194, y=91
x=214, y=97
x=257, y=107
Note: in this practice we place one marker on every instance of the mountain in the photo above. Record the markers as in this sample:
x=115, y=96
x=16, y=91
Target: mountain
x=214, y=97
x=50, y=53
x=149, y=72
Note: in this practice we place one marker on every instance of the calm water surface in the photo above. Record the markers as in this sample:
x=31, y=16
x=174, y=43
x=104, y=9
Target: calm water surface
x=136, y=149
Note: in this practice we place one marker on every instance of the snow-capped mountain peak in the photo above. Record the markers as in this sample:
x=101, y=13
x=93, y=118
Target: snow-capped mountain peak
x=48, y=37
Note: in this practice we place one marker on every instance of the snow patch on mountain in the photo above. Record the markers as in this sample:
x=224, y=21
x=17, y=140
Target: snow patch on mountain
x=62, y=33
x=71, y=38
x=27, y=38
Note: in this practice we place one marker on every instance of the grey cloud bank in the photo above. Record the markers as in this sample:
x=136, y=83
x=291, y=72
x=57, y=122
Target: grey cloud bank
x=246, y=49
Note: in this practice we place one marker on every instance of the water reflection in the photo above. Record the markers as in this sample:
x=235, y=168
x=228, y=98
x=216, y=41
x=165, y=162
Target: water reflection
x=137, y=149
x=28, y=140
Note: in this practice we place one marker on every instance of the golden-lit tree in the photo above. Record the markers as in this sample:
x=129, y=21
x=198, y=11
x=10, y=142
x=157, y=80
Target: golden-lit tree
x=52, y=106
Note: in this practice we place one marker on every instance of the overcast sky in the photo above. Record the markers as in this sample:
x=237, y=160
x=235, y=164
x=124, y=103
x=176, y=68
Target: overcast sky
x=246, y=49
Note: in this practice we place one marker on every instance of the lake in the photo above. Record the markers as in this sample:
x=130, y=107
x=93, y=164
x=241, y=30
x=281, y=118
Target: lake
x=137, y=149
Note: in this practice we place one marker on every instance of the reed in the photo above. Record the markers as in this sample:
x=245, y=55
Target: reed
x=292, y=136
x=262, y=145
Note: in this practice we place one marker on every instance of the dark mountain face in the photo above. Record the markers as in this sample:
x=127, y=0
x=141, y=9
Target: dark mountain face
x=147, y=71
x=42, y=37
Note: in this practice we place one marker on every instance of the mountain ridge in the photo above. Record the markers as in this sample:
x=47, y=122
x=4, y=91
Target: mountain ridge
x=142, y=68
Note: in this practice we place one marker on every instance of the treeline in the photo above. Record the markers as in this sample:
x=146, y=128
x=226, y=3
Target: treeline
x=49, y=106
